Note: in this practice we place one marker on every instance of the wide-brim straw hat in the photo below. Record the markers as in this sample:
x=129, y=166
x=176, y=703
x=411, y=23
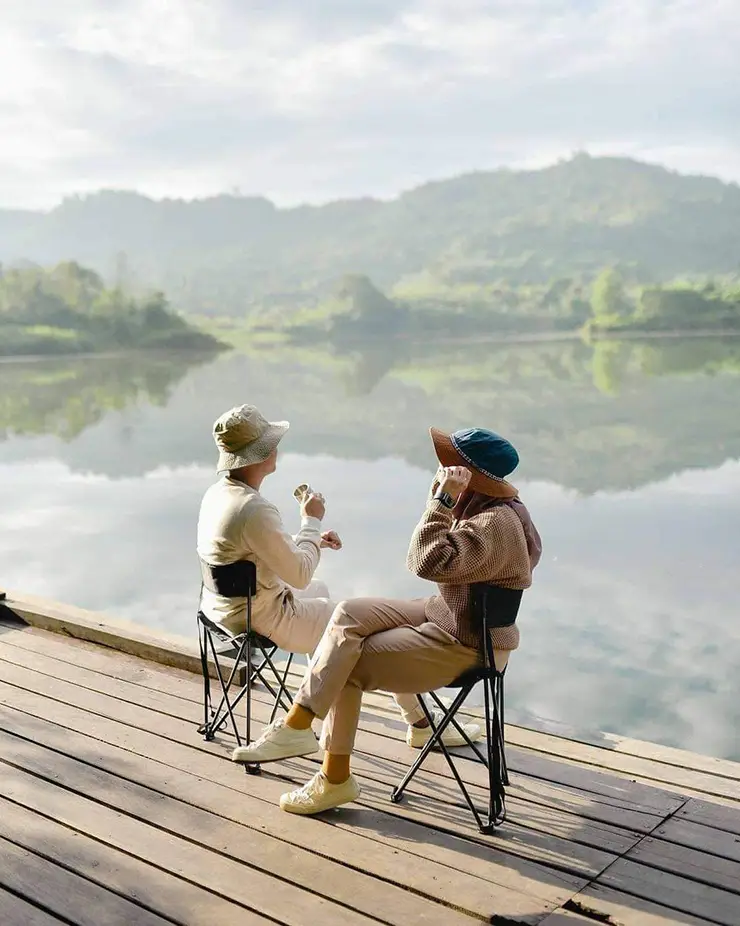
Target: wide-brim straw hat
x=245, y=437
x=489, y=457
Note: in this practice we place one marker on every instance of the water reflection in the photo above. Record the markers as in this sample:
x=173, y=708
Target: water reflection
x=630, y=466
x=609, y=416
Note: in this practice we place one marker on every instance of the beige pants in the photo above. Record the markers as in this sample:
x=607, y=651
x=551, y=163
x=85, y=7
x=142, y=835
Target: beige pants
x=371, y=644
x=297, y=628
x=300, y=628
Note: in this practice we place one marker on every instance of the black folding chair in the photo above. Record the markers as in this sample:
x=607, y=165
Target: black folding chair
x=492, y=606
x=233, y=656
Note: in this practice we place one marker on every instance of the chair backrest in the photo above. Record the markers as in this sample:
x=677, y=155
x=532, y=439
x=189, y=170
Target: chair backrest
x=235, y=580
x=494, y=606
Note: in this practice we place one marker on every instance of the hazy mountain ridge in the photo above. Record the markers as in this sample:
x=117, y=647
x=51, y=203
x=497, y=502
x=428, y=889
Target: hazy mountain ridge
x=232, y=254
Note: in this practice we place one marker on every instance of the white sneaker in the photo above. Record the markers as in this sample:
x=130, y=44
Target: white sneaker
x=418, y=737
x=277, y=742
x=320, y=794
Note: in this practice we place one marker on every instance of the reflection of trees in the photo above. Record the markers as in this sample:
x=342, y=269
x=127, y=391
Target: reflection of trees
x=64, y=397
x=364, y=368
x=668, y=413
x=608, y=366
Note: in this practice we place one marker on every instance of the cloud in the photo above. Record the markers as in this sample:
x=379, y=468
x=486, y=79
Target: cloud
x=313, y=100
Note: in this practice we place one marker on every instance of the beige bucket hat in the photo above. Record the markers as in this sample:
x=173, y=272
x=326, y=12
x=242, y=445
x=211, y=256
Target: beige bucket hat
x=245, y=437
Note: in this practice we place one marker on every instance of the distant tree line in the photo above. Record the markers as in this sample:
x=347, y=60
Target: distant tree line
x=677, y=306
x=68, y=309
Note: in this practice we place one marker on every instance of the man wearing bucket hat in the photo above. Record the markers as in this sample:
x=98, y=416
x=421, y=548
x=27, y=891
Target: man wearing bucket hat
x=237, y=522
x=474, y=529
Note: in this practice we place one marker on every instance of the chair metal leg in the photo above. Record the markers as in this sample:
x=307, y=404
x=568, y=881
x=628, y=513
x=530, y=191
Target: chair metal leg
x=282, y=690
x=460, y=728
x=249, y=768
x=494, y=757
x=494, y=742
x=500, y=694
x=225, y=704
x=202, y=644
x=434, y=740
x=215, y=718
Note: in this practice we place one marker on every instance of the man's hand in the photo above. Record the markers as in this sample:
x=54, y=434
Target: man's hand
x=454, y=480
x=314, y=506
x=331, y=540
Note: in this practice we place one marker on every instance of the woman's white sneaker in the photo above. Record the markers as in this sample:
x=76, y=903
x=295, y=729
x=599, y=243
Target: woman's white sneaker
x=319, y=795
x=277, y=742
x=418, y=737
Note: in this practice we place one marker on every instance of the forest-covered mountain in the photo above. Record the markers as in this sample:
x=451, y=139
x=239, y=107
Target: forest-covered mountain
x=476, y=238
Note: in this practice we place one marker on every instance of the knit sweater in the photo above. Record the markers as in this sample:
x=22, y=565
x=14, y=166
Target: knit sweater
x=489, y=540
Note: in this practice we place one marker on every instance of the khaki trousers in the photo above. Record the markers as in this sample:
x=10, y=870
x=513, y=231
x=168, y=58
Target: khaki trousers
x=371, y=644
x=300, y=629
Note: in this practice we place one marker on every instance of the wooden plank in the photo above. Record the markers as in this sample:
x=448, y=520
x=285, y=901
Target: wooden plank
x=19, y=912
x=168, y=649
x=720, y=818
x=666, y=765
x=526, y=795
x=608, y=809
x=689, y=863
x=365, y=894
x=669, y=755
x=562, y=918
x=161, y=858
x=627, y=794
x=697, y=836
x=105, y=660
x=570, y=856
x=71, y=897
x=602, y=904
x=672, y=891
x=594, y=784
x=442, y=802
x=647, y=769
x=431, y=863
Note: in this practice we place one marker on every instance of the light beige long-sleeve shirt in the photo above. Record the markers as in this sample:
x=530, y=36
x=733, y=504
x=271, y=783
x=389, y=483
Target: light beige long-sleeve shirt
x=236, y=523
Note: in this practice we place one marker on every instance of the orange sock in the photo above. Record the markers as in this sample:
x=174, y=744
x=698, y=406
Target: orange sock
x=335, y=768
x=299, y=717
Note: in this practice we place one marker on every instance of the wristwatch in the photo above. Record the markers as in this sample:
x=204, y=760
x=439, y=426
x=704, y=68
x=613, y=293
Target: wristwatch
x=447, y=500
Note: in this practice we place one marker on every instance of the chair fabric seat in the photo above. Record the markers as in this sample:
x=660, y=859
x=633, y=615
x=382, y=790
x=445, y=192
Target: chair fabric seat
x=226, y=637
x=469, y=677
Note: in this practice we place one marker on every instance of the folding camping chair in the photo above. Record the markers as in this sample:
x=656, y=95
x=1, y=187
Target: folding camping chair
x=492, y=606
x=236, y=670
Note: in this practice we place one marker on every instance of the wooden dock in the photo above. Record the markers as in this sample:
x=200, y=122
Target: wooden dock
x=114, y=812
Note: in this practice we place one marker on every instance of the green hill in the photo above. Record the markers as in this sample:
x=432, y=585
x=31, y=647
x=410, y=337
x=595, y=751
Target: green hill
x=522, y=242
x=67, y=310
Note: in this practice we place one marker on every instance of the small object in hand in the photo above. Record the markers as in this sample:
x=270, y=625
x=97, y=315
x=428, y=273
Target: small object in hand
x=302, y=492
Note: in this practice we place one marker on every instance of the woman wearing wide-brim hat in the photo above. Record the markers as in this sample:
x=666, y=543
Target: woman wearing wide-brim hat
x=474, y=529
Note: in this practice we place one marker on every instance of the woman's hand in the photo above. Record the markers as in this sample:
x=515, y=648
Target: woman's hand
x=331, y=540
x=454, y=480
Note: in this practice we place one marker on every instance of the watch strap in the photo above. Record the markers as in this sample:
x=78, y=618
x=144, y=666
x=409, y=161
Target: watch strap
x=447, y=500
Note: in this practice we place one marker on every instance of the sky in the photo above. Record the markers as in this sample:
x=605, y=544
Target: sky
x=312, y=100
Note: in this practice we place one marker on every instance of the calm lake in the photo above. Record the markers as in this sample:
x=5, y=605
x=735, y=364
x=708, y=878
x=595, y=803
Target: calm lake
x=630, y=466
